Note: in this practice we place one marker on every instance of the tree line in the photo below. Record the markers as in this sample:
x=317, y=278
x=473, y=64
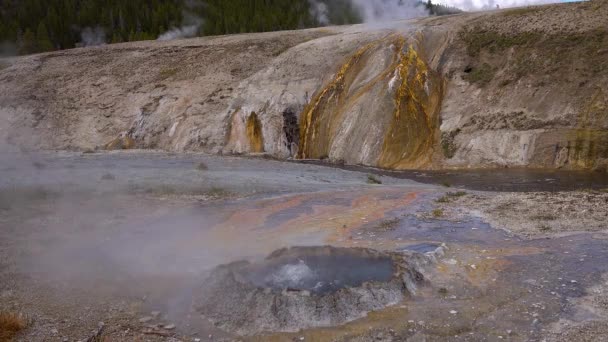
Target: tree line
x=31, y=26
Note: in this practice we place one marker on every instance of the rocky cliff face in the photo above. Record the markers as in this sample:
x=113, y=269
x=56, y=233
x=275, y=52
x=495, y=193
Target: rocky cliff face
x=524, y=87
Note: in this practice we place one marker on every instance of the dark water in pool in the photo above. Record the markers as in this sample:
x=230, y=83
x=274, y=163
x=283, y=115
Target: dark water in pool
x=322, y=273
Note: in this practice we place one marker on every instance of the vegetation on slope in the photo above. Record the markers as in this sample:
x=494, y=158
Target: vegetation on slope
x=30, y=26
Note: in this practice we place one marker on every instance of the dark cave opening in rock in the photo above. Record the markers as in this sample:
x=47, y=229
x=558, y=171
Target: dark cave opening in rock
x=291, y=128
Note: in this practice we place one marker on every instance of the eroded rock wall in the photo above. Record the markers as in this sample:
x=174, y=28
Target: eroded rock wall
x=519, y=88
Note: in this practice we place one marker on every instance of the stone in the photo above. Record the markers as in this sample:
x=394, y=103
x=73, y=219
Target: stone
x=145, y=319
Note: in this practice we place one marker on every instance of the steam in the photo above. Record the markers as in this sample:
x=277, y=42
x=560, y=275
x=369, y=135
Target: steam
x=190, y=28
x=472, y=5
x=319, y=11
x=179, y=33
x=7, y=49
x=93, y=36
x=377, y=11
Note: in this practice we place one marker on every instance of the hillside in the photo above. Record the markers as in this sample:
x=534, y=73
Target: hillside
x=519, y=88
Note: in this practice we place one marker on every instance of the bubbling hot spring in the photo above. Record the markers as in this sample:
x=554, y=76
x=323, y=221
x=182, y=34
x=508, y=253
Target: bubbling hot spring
x=304, y=287
x=320, y=273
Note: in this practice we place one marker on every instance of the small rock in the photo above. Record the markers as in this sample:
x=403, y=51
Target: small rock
x=169, y=326
x=108, y=176
x=155, y=314
x=145, y=319
x=54, y=331
x=453, y=312
x=450, y=261
x=197, y=340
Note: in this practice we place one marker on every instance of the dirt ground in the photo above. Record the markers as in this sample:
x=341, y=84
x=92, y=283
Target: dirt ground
x=534, y=214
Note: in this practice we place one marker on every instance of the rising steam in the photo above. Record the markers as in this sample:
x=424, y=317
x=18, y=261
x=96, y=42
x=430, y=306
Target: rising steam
x=189, y=29
x=319, y=11
x=93, y=36
x=375, y=11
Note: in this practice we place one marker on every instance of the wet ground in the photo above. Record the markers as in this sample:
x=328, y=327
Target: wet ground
x=504, y=179
x=79, y=247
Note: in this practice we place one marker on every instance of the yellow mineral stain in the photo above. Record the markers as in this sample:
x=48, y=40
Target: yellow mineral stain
x=589, y=143
x=124, y=143
x=409, y=141
x=316, y=123
x=411, y=136
x=254, y=133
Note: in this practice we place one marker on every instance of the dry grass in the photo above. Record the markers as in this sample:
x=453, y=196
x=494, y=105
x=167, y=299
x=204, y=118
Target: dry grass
x=10, y=325
x=202, y=166
x=481, y=75
x=533, y=53
x=521, y=11
x=448, y=197
x=388, y=224
x=371, y=179
x=167, y=73
x=437, y=213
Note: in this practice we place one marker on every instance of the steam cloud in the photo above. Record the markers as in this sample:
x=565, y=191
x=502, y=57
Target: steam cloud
x=93, y=36
x=319, y=11
x=472, y=5
x=190, y=28
x=188, y=31
x=7, y=49
x=375, y=11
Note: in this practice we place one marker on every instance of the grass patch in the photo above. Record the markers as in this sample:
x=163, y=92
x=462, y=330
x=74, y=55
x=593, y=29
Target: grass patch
x=437, y=213
x=544, y=228
x=446, y=184
x=10, y=325
x=388, y=224
x=162, y=190
x=533, y=53
x=202, y=166
x=371, y=179
x=3, y=65
x=168, y=72
x=448, y=143
x=543, y=217
x=481, y=75
x=448, y=197
x=280, y=50
x=478, y=39
x=521, y=11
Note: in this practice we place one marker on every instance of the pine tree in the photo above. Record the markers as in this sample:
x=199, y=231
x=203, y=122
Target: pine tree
x=44, y=43
x=28, y=43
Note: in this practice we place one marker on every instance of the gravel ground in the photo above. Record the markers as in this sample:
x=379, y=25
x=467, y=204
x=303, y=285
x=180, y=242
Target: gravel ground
x=534, y=214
